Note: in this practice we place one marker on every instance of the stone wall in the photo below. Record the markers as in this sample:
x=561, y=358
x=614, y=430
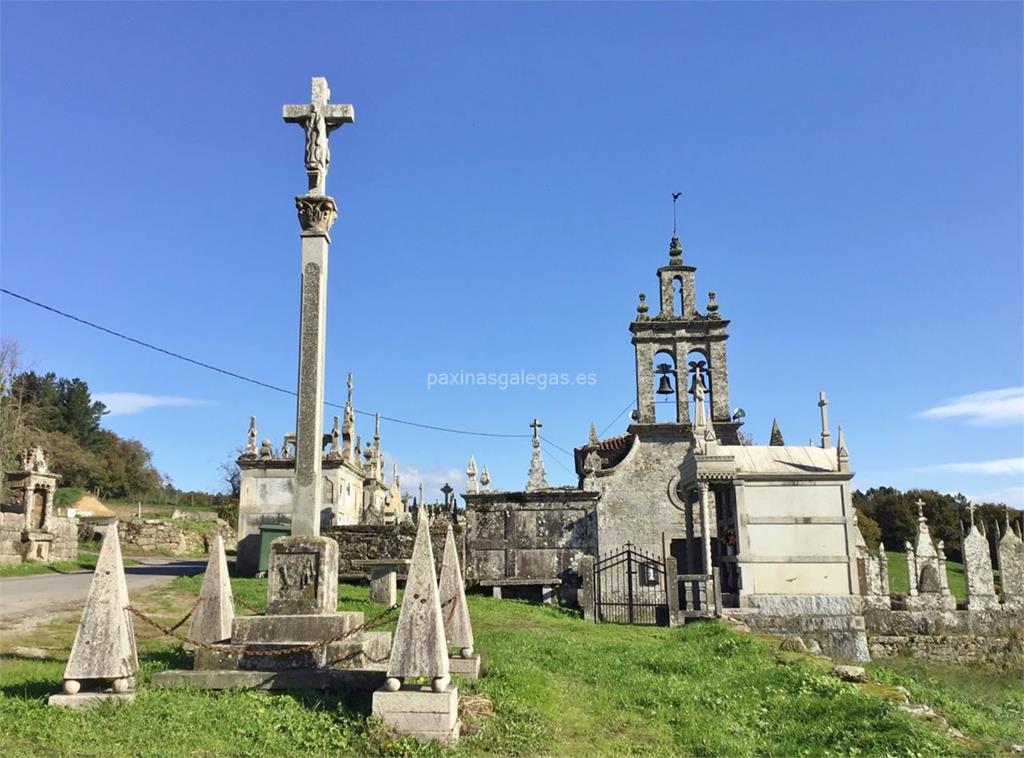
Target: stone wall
x=11, y=525
x=156, y=536
x=961, y=636
x=392, y=541
x=1004, y=651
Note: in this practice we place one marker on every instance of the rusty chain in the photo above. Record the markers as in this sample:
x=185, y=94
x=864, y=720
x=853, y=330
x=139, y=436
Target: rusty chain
x=365, y=626
x=248, y=606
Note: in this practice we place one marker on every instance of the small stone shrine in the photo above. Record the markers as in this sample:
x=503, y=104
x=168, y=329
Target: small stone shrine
x=458, y=630
x=427, y=712
x=31, y=527
x=103, y=660
x=926, y=568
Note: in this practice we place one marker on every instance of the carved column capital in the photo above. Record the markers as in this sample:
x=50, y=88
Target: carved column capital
x=317, y=213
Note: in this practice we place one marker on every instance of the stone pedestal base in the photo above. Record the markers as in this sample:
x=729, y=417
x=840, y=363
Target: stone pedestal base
x=420, y=712
x=293, y=628
x=467, y=668
x=303, y=576
x=384, y=586
x=89, y=699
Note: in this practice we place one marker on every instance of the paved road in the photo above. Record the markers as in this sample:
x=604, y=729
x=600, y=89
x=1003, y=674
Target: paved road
x=28, y=595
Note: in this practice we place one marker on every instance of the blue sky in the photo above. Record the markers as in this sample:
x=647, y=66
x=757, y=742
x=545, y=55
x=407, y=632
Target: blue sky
x=852, y=179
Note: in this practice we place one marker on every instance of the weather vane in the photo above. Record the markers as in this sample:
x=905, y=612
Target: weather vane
x=675, y=196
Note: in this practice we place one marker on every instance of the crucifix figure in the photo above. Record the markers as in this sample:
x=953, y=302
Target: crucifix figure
x=318, y=119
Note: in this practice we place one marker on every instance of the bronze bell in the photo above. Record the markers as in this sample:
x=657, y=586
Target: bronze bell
x=665, y=385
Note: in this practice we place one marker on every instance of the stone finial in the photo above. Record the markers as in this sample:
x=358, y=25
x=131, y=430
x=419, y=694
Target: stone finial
x=215, y=614
x=642, y=308
x=675, y=251
x=712, y=307
x=592, y=439
x=776, y=435
x=842, y=454
x=457, y=628
x=920, y=510
x=33, y=459
x=536, y=479
x=359, y=447
x=250, y=441
x=826, y=438
x=266, y=450
x=104, y=646
x=471, y=488
x=334, y=454
x=485, y=480
x=420, y=647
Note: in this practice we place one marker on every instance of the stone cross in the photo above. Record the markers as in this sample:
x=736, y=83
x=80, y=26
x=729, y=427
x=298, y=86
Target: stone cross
x=536, y=425
x=317, y=213
x=318, y=120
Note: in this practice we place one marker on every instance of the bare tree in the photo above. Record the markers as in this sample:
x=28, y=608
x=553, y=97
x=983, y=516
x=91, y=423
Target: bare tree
x=231, y=475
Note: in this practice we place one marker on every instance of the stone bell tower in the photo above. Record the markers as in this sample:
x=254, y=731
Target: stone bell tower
x=669, y=346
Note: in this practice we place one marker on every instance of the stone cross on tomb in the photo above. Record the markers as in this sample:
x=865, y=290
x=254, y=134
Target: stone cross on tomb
x=536, y=425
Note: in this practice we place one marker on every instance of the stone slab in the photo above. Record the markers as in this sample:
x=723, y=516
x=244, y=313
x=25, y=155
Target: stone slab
x=368, y=648
x=89, y=699
x=293, y=628
x=303, y=576
x=415, y=698
x=364, y=680
x=467, y=668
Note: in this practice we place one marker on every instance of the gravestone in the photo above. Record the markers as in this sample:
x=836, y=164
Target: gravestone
x=302, y=578
x=981, y=589
x=458, y=630
x=926, y=564
x=215, y=613
x=420, y=650
x=1011, y=568
x=104, y=649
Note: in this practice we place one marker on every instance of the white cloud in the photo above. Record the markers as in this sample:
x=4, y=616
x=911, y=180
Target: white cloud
x=127, y=403
x=1011, y=496
x=1003, y=406
x=995, y=467
x=432, y=479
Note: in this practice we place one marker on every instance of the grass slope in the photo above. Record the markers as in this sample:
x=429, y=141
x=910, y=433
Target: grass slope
x=558, y=686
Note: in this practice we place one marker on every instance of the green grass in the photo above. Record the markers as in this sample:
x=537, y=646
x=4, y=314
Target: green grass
x=899, y=579
x=558, y=686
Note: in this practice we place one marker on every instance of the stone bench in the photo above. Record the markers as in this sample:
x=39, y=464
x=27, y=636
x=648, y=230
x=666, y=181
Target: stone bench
x=547, y=586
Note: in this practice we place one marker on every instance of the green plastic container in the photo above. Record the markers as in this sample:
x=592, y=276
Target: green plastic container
x=269, y=533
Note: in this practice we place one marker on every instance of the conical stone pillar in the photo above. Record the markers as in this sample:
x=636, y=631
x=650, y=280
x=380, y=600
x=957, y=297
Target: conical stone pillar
x=104, y=647
x=420, y=650
x=215, y=613
x=457, y=627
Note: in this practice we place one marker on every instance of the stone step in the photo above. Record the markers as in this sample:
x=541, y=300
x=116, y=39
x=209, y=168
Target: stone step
x=365, y=680
x=293, y=629
x=365, y=649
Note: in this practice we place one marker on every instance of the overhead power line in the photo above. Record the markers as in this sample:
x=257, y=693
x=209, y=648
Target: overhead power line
x=242, y=377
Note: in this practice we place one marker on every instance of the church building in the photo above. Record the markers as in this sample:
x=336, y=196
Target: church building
x=680, y=483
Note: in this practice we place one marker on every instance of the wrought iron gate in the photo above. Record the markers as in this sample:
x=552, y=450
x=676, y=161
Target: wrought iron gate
x=630, y=588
